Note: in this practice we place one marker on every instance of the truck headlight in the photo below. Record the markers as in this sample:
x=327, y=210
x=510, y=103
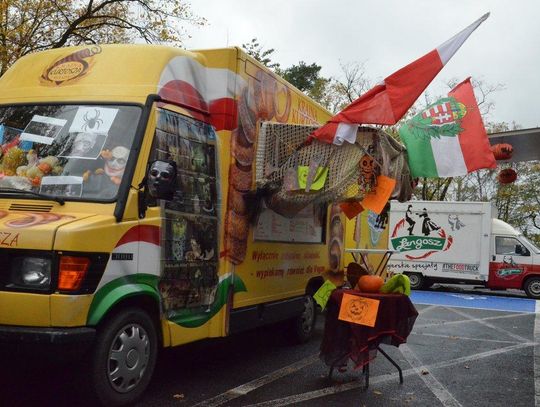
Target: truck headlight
x=31, y=272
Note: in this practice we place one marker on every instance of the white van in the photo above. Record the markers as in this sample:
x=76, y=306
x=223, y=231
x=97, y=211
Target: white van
x=460, y=242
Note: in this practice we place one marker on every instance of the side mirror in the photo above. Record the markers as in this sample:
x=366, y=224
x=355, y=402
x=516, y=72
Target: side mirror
x=522, y=251
x=161, y=179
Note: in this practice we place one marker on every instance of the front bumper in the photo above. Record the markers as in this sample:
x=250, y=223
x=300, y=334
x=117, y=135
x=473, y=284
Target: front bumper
x=46, y=335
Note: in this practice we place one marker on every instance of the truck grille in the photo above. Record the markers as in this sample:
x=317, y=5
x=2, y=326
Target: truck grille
x=30, y=207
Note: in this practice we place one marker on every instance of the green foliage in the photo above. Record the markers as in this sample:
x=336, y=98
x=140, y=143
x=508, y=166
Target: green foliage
x=302, y=76
x=33, y=25
x=305, y=77
x=519, y=203
x=254, y=49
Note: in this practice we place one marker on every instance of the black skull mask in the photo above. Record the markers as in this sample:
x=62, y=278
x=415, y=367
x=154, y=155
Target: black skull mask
x=162, y=179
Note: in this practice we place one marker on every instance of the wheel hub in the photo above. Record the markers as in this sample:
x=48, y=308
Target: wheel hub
x=308, y=315
x=132, y=358
x=128, y=357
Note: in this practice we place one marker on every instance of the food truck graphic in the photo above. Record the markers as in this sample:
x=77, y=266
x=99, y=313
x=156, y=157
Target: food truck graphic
x=452, y=242
x=126, y=215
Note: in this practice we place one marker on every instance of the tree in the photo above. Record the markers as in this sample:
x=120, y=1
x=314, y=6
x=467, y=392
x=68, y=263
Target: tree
x=302, y=76
x=519, y=203
x=305, y=77
x=33, y=25
x=254, y=49
x=338, y=92
x=482, y=92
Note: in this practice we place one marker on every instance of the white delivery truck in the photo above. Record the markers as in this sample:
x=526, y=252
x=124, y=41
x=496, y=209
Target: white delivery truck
x=460, y=242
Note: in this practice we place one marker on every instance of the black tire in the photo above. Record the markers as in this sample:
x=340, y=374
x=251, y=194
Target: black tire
x=532, y=287
x=130, y=334
x=303, y=326
x=418, y=281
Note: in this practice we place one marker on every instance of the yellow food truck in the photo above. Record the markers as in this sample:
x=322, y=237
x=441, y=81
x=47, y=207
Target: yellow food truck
x=127, y=209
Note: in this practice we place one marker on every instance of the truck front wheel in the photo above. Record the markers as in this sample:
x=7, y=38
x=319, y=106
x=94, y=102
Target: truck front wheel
x=418, y=281
x=124, y=357
x=303, y=325
x=532, y=287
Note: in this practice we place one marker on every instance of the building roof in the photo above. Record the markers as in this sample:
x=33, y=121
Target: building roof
x=526, y=143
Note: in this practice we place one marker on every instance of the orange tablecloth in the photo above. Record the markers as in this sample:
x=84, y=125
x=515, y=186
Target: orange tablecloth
x=343, y=340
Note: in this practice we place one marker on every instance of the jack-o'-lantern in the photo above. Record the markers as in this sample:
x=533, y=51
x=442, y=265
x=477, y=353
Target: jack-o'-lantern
x=507, y=176
x=502, y=151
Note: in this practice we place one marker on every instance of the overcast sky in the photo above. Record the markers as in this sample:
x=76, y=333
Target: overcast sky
x=385, y=35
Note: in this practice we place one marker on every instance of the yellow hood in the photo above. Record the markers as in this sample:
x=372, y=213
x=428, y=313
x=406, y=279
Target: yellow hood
x=32, y=230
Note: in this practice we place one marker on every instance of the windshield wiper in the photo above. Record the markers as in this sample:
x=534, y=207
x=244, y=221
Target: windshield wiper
x=36, y=194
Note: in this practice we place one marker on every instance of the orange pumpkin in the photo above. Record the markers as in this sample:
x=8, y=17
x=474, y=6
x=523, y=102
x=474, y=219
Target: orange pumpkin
x=502, y=151
x=370, y=284
x=507, y=176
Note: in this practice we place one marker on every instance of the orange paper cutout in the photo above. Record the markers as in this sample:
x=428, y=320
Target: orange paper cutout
x=351, y=209
x=358, y=310
x=377, y=200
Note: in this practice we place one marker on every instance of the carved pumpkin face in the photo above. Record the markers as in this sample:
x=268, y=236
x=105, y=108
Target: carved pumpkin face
x=356, y=309
x=502, y=151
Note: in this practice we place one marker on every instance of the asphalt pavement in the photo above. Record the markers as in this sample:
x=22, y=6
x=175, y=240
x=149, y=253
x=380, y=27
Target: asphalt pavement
x=467, y=348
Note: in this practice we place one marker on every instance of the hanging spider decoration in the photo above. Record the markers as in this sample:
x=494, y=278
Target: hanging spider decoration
x=92, y=122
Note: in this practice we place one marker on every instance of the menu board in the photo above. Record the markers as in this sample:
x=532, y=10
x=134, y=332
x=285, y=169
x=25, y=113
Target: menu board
x=305, y=227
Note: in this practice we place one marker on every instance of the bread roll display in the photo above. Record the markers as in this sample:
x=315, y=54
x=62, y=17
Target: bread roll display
x=257, y=102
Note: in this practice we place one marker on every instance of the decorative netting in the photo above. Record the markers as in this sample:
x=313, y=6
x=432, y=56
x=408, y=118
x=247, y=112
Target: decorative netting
x=352, y=168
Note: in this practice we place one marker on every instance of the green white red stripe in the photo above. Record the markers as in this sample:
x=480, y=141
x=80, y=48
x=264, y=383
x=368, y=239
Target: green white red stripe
x=448, y=154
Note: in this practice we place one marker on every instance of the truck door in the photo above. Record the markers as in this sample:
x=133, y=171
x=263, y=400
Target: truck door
x=510, y=261
x=189, y=222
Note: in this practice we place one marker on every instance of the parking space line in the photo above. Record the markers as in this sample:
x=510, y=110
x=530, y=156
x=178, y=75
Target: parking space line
x=435, y=386
x=495, y=327
x=536, y=357
x=255, y=384
x=428, y=308
x=467, y=338
x=431, y=382
x=339, y=388
x=462, y=321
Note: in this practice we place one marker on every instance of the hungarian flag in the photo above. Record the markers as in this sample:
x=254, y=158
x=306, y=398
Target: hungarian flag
x=448, y=138
x=388, y=101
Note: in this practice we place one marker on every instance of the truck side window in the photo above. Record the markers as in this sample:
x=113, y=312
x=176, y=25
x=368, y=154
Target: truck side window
x=190, y=221
x=510, y=246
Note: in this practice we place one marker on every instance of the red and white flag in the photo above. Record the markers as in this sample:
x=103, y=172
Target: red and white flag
x=389, y=100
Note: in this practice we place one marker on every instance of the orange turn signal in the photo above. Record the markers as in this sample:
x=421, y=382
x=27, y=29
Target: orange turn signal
x=72, y=272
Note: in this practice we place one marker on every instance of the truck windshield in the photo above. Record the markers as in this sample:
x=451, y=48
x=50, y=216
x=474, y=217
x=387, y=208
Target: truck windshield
x=67, y=152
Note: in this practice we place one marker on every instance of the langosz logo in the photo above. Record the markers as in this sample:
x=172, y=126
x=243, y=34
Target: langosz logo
x=418, y=231
x=69, y=68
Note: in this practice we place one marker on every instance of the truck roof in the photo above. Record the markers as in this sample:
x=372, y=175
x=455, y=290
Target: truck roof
x=500, y=227
x=114, y=72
